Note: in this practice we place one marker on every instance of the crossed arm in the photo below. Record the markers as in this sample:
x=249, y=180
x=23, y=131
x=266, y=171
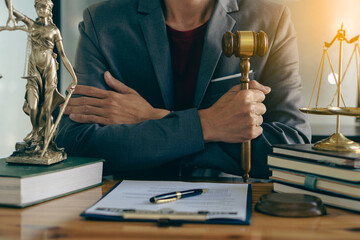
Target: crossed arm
x=225, y=121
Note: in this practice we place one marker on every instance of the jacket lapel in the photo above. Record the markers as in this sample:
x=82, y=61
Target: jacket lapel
x=154, y=30
x=219, y=23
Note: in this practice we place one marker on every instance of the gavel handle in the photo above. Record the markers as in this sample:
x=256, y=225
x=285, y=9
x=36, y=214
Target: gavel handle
x=245, y=157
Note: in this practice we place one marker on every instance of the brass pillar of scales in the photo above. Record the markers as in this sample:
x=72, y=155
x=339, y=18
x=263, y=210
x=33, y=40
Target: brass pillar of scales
x=337, y=141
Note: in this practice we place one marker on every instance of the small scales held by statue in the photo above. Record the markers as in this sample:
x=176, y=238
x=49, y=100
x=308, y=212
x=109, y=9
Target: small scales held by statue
x=42, y=96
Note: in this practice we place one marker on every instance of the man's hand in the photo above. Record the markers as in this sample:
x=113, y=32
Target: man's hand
x=236, y=116
x=123, y=105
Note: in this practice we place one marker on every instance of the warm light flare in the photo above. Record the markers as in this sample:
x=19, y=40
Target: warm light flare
x=331, y=79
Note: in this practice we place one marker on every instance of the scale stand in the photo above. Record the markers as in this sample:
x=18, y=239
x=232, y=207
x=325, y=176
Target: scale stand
x=337, y=142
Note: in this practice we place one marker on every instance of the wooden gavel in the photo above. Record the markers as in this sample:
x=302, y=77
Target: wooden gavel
x=245, y=44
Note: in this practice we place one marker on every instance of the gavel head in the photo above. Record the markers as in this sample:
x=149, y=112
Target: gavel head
x=245, y=44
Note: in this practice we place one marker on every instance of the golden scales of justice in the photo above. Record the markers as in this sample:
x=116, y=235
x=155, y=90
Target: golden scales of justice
x=337, y=141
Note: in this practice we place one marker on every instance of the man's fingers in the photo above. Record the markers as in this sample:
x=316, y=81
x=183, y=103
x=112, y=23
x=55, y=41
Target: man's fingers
x=116, y=84
x=259, y=120
x=251, y=95
x=90, y=91
x=258, y=96
x=82, y=118
x=85, y=110
x=259, y=109
x=256, y=85
x=82, y=101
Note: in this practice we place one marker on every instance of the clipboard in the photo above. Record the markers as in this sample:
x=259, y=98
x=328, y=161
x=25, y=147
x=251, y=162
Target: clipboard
x=141, y=210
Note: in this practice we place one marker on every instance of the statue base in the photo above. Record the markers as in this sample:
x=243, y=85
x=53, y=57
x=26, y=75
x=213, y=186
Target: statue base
x=26, y=154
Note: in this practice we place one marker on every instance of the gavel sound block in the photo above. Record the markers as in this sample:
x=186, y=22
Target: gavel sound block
x=245, y=44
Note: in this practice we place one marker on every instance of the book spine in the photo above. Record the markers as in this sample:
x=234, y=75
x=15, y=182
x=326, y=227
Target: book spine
x=294, y=164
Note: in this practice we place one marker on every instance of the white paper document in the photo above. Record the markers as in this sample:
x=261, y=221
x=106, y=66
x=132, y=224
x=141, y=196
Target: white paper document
x=130, y=198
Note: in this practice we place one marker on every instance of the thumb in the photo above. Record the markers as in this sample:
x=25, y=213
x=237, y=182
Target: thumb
x=116, y=84
x=256, y=85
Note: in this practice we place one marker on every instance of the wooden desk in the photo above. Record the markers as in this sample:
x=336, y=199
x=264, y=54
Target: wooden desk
x=59, y=219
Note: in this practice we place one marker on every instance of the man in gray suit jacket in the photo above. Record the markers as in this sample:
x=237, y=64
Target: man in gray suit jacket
x=136, y=118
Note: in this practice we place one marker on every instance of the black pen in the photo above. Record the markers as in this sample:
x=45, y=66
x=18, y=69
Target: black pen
x=173, y=196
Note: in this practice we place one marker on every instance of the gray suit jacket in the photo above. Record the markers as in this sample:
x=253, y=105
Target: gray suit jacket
x=128, y=38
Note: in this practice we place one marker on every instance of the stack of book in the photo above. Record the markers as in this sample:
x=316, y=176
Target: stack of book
x=332, y=176
x=25, y=185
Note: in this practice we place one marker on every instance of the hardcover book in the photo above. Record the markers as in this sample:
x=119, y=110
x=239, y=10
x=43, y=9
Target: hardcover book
x=295, y=164
x=25, y=185
x=307, y=153
x=316, y=183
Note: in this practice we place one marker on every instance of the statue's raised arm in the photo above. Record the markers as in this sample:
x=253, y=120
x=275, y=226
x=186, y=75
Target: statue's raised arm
x=15, y=17
x=11, y=17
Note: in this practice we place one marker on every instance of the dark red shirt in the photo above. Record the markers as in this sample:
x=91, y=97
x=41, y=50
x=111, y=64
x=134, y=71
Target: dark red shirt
x=186, y=49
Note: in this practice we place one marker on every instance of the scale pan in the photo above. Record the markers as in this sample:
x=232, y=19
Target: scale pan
x=318, y=111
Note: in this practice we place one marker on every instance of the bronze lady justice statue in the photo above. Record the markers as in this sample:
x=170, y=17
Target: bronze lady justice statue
x=42, y=96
